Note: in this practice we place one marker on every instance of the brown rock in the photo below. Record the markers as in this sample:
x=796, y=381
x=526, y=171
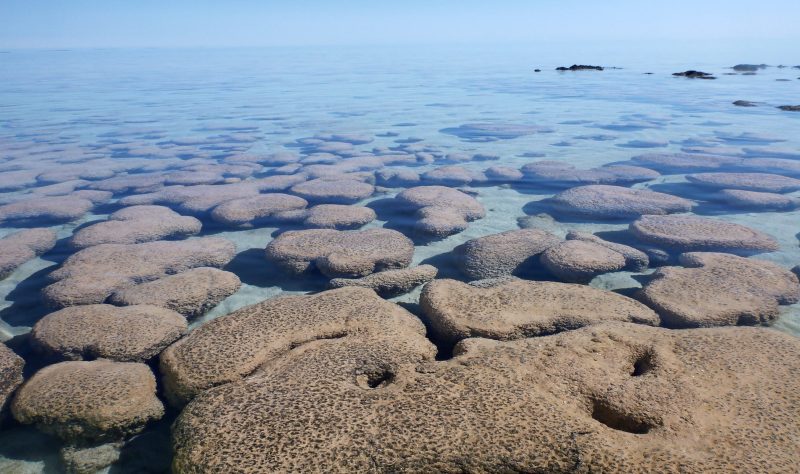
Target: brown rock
x=390, y=283
x=578, y=261
x=692, y=233
x=19, y=247
x=10, y=374
x=603, y=201
x=502, y=254
x=137, y=224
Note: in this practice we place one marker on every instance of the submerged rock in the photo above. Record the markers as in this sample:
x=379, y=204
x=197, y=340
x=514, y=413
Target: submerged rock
x=692, y=74
x=763, y=182
x=717, y=289
x=230, y=348
x=50, y=209
x=482, y=132
x=333, y=190
x=347, y=254
x=693, y=233
x=557, y=173
x=24, y=245
x=137, y=224
x=255, y=210
x=390, y=283
x=92, y=401
x=617, y=202
x=506, y=253
x=684, y=162
x=11, y=366
x=744, y=103
x=453, y=176
x=579, y=67
x=191, y=293
x=790, y=108
x=515, y=309
x=338, y=216
x=603, y=397
x=578, y=261
x=93, y=274
x=758, y=201
x=397, y=178
x=132, y=333
x=635, y=260
x=440, y=211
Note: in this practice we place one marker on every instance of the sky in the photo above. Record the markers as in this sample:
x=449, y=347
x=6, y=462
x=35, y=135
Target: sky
x=224, y=23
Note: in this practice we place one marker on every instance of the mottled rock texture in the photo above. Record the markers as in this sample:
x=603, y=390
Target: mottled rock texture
x=24, y=245
x=693, y=233
x=390, y=283
x=137, y=224
x=502, y=254
x=601, y=201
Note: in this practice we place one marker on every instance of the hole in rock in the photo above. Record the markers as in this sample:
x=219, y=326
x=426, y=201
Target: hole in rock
x=376, y=379
x=643, y=364
x=337, y=335
x=617, y=420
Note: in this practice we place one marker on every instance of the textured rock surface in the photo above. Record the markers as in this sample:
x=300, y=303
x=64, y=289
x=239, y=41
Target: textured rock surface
x=635, y=260
x=10, y=374
x=132, y=333
x=718, y=289
x=578, y=261
x=692, y=233
x=91, y=275
x=610, y=398
x=19, y=247
x=256, y=209
x=440, y=211
x=516, y=308
x=91, y=459
x=334, y=253
x=390, y=282
x=617, y=202
x=337, y=216
x=758, y=200
x=191, y=293
x=684, y=162
x=333, y=190
x=552, y=173
x=232, y=347
x=89, y=401
x=764, y=182
x=54, y=209
x=137, y=224
x=502, y=254
x=453, y=176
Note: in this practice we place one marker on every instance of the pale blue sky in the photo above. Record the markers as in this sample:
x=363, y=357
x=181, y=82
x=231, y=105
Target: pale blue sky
x=179, y=23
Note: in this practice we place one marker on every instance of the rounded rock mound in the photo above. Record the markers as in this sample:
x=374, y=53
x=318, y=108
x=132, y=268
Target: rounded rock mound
x=762, y=182
x=93, y=274
x=347, y=254
x=635, y=259
x=334, y=190
x=758, y=200
x=24, y=245
x=440, y=211
x=514, y=309
x=717, y=289
x=137, y=224
x=506, y=253
x=518, y=406
x=132, y=333
x=338, y=216
x=54, y=209
x=578, y=261
x=191, y=293
x=693, y=233
x=256, y=210
x=616, y=202
x=11, y=366
x=92, y=401
x=390, y=283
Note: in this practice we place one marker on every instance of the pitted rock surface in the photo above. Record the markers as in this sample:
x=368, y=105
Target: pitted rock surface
x=693, y=233
x=137, y=224
x=635, y=260
x=390, y=283
x=10, y=374
x=762, y=182
x=256, y=209
x=440, y=211
x=603, y=201
x=578, y=261
x=502, y=254
x=24, y=245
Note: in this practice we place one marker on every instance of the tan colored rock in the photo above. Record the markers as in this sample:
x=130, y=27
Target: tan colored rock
x=132, y=333
x=338, y=216
x=440, y=211
x=635, y=260
x=335, y=253
x=92, y=401
x=334, y=190
x=137, y=224
x=50, y=209
x=191, y=293
x=506, y=253
x=717, y=289
x=256, y=210
x=11, y=366
x=693, y=233
x=601, y=201
x=24, y=245
x=515, y=309
x=232, y=347
x=578, y=261
x=390, y=283
x=93, y=274
x=606, y=398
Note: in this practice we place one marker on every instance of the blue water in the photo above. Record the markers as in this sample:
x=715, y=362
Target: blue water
x=61, y=101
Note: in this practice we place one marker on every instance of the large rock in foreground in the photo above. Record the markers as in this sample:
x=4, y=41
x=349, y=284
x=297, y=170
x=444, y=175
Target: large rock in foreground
x=191, y=293
x=89, y=401
x=502, y=254
x=347, y=254
x=232, y=347
x=718, y=289
x=607, y=398
x=93, y=274
x=693, y=233
x=616, y=202
x=10, y=374
x=19, y=247
x=132, y=333
x=518, y=308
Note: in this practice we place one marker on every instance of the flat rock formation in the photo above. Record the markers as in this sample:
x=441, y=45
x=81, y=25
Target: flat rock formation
x=440, y=211
x=502, y=254
x=763, y=182
x=137, y=224
x=578, y=261
x=390, y=283
x=693, y=233
x=24, y=245
x=603, y=201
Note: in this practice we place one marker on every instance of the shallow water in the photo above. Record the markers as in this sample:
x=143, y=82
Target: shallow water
x=257, y=101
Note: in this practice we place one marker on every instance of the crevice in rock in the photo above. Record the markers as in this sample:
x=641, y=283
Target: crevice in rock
x=617, y=420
